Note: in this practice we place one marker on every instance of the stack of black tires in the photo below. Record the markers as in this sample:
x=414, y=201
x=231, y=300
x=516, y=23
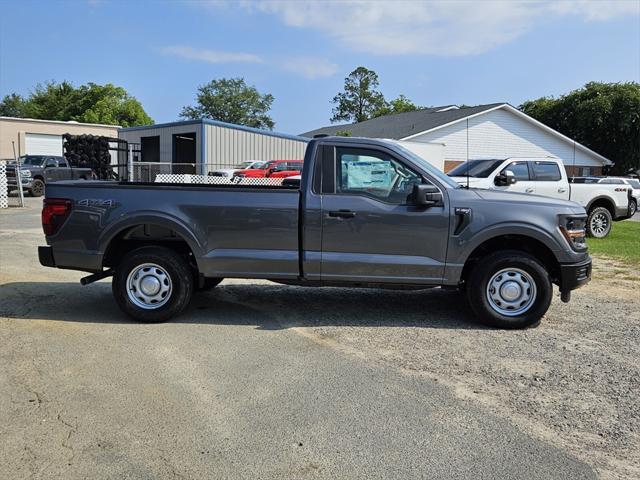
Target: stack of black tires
x=89, y=151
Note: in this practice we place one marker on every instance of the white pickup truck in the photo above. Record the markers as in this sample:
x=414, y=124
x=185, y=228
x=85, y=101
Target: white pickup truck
x=547, y=176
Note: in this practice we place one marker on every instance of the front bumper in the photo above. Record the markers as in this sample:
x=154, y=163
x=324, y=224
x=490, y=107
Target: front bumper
x=12, y=182
x=575, y=275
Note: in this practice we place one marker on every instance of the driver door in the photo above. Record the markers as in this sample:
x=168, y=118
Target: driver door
x=371, y=232
x=524, y=182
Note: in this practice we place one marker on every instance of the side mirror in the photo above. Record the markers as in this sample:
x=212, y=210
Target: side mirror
x=426, y=195
x=505, y=179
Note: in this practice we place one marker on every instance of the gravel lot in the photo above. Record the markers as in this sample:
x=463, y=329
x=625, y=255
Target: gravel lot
x=573, y=382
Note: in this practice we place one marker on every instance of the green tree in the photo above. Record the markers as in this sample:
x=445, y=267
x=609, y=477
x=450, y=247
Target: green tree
x=108, y=104
x=397, y=105
x=344, y=133
x=232, y=100
x=360, y=98
x=12, y=105
x=602, y=116
x=91, y=103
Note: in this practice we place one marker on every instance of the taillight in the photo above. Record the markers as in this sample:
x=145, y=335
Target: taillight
x=54, y=212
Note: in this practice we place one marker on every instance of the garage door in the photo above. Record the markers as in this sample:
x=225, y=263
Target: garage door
x=40, y=144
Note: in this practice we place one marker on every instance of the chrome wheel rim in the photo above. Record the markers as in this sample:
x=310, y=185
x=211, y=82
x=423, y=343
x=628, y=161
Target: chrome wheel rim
x=599, y=224
x=633, y=208
x=511, y=292
x=149, y=286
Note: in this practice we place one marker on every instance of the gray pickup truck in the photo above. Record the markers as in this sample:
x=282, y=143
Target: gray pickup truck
x=367, y=213
x=38, y=170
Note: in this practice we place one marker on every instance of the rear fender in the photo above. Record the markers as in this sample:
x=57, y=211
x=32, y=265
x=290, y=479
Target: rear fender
x=156, y=219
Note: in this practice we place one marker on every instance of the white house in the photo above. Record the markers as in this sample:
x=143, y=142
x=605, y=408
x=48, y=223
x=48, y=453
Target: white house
x=496, y=130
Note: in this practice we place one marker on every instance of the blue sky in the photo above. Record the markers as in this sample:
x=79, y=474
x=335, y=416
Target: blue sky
x=436, y=53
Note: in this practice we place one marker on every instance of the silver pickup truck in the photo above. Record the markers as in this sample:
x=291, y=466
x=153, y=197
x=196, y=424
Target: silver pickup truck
x=367, y=213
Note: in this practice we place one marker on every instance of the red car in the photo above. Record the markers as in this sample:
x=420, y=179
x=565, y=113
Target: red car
x=272, y=169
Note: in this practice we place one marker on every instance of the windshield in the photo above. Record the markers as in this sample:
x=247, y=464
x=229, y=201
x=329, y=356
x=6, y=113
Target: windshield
x=421, y=162
x=31, y=160
x=476, y=168
x=634, y=183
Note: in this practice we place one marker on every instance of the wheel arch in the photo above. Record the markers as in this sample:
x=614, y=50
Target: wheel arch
x=148, y=230
x=518, y=242
x=602, y=201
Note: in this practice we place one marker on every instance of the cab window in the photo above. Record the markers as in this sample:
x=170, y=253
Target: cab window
x=520, y=170
x=546, y=171
x=374, y=174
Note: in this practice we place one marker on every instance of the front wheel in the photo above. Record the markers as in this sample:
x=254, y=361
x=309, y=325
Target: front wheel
x=599, y=222
x=633, y=208
x=153, y=284
x=509, y=289
x=37, y=188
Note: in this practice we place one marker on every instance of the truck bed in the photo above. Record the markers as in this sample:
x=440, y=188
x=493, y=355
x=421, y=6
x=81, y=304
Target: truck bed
x=251, y=231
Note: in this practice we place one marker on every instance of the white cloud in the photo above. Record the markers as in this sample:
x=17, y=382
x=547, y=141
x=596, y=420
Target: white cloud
x=438, y=27
x=211, y=56
x=310, y=67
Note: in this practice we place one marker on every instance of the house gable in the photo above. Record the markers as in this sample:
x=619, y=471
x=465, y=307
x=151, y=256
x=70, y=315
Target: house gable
x=502, y=133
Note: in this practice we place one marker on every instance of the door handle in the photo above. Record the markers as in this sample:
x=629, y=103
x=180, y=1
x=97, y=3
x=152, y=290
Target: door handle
x=342, y=214
x=562, y=190
x=528, y=190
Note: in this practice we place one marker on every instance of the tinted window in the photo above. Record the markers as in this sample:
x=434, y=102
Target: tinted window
x=546, y=171
x=374, y=174
x=31, y=160
x=612, y=181
x=634, y=183
x=519, y=169
x=475, y=168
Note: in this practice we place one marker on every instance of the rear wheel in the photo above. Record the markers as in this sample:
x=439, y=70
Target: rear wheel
x=599, y=222
x=153, y=284
x=509, y=290
x=37, y=188
x=633, y=208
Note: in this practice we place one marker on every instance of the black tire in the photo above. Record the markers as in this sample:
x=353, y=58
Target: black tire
x=513, y=261
x=599, y=222
x=37, y=188
x=210, y=284
x=633, y=208
x=174, y=268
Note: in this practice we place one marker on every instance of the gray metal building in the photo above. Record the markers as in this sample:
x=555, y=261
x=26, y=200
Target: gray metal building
x=200, y=146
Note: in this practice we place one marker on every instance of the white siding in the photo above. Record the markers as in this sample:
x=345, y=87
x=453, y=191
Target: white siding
x=502, y=134
x=230, y=146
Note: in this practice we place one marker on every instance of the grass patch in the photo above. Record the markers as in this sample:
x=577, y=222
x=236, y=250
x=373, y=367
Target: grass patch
x=623, y=243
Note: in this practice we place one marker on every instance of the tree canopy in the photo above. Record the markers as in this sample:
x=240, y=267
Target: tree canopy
x=90, y=103
x=360, y=98
x=397, y=105
x=232, y=100
x=602, y=116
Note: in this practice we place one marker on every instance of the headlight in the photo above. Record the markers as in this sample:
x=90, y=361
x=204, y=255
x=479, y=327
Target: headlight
x=25, y=173
x=574, y=230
